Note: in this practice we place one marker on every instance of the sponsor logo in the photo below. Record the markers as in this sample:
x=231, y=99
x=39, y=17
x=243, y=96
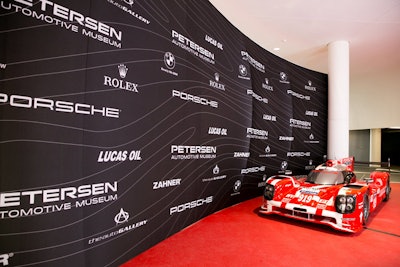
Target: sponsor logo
x=256, y=96
x=191, y=205
x=119, y=156
x=310, y=165
x=267, y=153
x=298, y=95
x=3, y=66
x=215, y=178
x=310, y=191
x=309, y=87
x=216, y=170
x=257, y=133
x=256, y=64
x=241, y=154
x=192, y=47
x=193, y=149
x=266, y=85
x=62, y=16
x=123, y=70
x=298, y=154
x=311, y=140
x=253, y=170
x=129, y=2
x=217, y=131
x=215, y=84
x=166, y=183
x=269, y=117
x=300, y=124
x=284, y=166
x=283, y=78
x=264, y=181
x=195, y=99
x=47, y=200
x=180, y=152
x=129, y=10
x=321, y=206
x=4, y=258
x=311, y=113
x=28, y=102
x=121, y=84
x=169, y=62
x=120, y=218
x=236, y=187
x=214, y=42
x=243, y=72
x=286, y=138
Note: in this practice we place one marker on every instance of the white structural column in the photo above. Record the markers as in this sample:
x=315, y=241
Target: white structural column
x=338, y=99
x=375, y=146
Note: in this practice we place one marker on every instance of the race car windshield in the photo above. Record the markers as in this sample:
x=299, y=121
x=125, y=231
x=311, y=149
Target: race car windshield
x=325, y=177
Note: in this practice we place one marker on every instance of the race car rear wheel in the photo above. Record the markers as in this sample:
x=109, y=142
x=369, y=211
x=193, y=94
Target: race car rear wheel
x=387, y=191
x=365, y=209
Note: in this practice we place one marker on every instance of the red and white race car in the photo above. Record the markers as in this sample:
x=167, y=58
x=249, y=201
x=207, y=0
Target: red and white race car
x=329, y=195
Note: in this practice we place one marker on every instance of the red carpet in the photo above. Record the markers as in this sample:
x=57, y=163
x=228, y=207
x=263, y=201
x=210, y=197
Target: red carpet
x=239, y=236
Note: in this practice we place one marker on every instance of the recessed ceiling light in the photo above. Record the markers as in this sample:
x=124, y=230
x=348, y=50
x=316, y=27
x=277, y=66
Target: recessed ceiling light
x=277, y=49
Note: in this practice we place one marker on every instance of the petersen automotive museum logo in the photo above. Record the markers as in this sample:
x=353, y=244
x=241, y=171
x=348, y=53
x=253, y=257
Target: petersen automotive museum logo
x=182, y=152
x=66, y=18
x=5, y=259
x=192, y=47
x=256, y=64
x=40, y=202
x=257, y=133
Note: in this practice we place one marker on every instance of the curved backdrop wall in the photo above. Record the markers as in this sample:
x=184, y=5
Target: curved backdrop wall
x=122, y=122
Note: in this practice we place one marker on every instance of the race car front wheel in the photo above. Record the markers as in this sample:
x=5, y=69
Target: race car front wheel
x=387, y=191
x=365, y=209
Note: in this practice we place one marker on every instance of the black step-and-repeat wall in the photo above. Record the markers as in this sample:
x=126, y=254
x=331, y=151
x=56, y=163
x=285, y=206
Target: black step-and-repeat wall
x=124, y=121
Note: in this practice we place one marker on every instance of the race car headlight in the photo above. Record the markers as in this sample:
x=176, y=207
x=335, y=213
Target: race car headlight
x=269, y=192
x=345, y=204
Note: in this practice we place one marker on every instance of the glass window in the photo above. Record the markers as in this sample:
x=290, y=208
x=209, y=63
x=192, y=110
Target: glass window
x=324, y=177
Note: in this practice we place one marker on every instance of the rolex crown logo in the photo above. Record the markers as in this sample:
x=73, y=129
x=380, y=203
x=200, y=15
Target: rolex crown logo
x=216, y=76
x=122, y=70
